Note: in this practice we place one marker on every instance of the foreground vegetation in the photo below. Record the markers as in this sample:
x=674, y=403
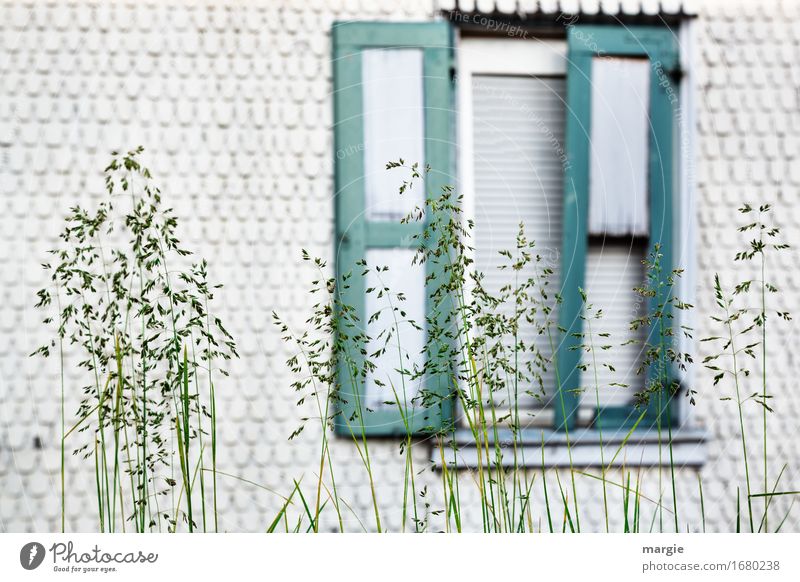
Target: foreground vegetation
x=126, y=297
x=138, y=316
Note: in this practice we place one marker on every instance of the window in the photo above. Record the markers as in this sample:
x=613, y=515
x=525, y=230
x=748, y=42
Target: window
x=512, y=115
x=572, y=137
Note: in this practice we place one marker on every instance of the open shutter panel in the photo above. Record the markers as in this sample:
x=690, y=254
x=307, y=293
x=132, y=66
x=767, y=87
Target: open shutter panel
x=393, y=98
x=618, y=199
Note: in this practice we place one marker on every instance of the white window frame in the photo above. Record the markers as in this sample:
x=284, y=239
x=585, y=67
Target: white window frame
x=548, y=57
x=495, y=56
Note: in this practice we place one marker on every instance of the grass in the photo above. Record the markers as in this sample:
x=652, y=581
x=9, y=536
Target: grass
x=150, y=350
x=490, y=368
x=136, y=314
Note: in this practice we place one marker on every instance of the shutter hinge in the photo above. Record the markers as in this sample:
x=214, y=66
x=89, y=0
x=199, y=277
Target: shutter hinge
x=677, y=73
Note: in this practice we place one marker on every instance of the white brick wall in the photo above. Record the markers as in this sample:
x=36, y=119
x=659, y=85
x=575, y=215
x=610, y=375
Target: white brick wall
x=232, y=102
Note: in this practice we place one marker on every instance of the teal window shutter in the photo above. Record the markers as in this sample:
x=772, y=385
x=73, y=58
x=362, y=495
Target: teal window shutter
x=586, y=44
x=362, y=224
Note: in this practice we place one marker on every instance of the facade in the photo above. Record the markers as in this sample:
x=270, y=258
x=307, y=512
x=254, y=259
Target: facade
x=246, y=111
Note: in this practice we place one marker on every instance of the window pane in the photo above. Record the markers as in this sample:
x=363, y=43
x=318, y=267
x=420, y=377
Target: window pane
x=612, y=272
x=401, y=310
x=394, y=127
x=619, y=146
x=518, y=161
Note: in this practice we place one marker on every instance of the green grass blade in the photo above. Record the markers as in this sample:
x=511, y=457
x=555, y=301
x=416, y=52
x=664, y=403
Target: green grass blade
x=702, y=502
x=281, y=513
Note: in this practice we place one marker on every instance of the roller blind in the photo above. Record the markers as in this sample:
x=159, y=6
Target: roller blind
x=518, y=158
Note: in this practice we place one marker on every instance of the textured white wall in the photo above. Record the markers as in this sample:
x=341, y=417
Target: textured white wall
x=232, y=102
x=747, y=123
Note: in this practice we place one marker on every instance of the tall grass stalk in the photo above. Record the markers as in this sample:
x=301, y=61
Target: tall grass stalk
x=662, y=362
x=739, y=322
x=731, y=317
x=702, y=502
x=758, y=247
x=588, y=315
x=140, y=319
x=113, y=291
x=474, y=332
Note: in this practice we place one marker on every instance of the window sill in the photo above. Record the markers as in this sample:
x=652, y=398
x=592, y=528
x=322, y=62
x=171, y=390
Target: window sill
x=641, y=449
